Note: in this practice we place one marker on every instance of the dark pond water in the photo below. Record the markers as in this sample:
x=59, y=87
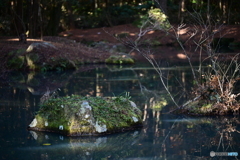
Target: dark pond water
x=163, y=136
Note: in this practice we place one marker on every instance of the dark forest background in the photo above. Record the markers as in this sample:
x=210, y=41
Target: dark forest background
x=49, y=17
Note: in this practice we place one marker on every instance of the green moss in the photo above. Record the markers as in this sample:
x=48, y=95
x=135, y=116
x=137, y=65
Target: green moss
x=115, y=113
x=16, y=62
x=122, y=35
x=199, y=107
x=119, y=59
x=52, y=120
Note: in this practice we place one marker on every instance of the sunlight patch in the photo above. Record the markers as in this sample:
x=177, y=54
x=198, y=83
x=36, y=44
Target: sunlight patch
x=181, y=56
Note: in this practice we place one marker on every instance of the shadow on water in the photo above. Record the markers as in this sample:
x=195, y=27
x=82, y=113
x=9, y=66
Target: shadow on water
x=163, y=136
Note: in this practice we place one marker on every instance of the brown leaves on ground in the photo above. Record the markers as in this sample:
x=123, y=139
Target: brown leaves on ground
x=75, y=51
x=65, y=48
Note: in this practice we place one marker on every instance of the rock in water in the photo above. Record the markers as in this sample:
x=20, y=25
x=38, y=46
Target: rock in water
x=119, y=59
x=80, y=116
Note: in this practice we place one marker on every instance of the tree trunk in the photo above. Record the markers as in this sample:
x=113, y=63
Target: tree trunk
x=33, y=24
x=70, y=21
x=18, y=17
x=182, y=9
x=54, y=19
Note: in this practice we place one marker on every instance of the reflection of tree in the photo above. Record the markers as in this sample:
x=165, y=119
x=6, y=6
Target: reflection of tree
x=185, y=137
x=227, y=131
x=37, y=83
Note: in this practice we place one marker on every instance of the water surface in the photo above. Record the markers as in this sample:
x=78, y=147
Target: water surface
x=163, y=136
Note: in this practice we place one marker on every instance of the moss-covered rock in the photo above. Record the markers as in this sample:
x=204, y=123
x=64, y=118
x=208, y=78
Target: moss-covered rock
x=37, y=59
x=78, y=116
x=40, y=45
x=119, y=59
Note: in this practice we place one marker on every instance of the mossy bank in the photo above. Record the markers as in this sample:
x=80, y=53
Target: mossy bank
x=81, y=116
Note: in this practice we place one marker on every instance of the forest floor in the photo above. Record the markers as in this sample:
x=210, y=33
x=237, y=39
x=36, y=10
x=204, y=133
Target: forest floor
x=162, y=45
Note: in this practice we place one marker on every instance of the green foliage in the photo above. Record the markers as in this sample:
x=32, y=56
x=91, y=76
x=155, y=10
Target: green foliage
x=89, y=14
x=159, y=19
x=112, y=15
x=155, y=19
x=59, y=15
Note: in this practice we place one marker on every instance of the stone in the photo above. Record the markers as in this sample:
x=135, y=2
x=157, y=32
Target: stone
x=39, y=46
x=83, y=116
x=33, y=123
x=37, y=60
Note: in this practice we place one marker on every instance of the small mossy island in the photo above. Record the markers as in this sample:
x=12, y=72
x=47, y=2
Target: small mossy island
x=210, y=98
x=119, y=59
x=85, y=116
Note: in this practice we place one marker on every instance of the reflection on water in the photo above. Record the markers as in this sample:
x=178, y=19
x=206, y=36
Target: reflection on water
x=164, y=136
